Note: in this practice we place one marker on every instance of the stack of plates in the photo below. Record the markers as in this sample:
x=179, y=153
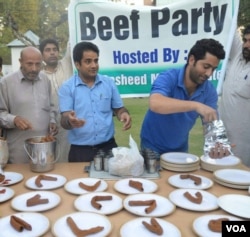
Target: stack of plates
x=233, y=178
x=179, y=161
x=211, y=164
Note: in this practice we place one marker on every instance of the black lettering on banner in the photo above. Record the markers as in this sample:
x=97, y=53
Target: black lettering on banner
x=158, y=18
x=105, y=28
x=88, y=31
x=208, y=19
x=235, y=228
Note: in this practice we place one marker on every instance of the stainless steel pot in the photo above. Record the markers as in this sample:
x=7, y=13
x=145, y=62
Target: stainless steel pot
x=42, y=154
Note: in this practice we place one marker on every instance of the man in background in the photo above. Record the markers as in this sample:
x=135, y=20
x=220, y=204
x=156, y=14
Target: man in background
x=234, y=106
x=57, y=71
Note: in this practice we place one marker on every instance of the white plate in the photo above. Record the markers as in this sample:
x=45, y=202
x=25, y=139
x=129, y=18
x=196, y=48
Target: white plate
x=236, y=204
x=12, y=178
x=174, y=165
x=9, y=193
x=176, y=181
x=136, y=228
x=212, y=168
x=47, y=184
x=40, y=225
x=209, y=201
x=228, y=160
x=122, y=186
x=83, y=203
x=190, y=169
x=183, y=168
x=236, y=186
x=234, y=176
x=84, y=220
x=73, y=185
x=179, y=158
x=163, y=205
x=200, y=225
x=19, y=202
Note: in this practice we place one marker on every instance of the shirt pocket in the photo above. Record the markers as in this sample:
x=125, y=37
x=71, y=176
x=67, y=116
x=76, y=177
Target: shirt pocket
x=243, y=88
x=105, y=104
x=44, y=101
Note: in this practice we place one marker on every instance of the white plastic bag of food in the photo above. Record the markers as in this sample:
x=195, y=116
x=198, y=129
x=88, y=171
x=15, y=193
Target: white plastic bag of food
x=126, y=161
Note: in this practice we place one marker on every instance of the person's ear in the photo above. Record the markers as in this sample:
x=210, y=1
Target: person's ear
x=191, y=60
x=77, y=64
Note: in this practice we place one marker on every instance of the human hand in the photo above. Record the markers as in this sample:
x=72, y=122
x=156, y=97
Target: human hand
x=208, y=113
x=22, y=123
x=53, y=129
x=126, y=120
x=74, y=121
x=219, y=150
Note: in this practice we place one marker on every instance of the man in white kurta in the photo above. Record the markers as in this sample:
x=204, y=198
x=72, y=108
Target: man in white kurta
x=57, y=71
x=234, y=106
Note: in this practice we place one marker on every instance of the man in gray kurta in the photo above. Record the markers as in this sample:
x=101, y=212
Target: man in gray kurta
x=234, y=107
x=26, y=107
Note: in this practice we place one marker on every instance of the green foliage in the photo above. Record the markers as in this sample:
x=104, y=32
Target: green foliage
x=5, y=51
x=54, y=20
x=46, y=18
x=137, y=108
x=244, y=13
x=18, y=15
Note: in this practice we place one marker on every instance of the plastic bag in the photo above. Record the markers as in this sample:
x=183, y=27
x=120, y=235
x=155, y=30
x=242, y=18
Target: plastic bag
x=126, y=161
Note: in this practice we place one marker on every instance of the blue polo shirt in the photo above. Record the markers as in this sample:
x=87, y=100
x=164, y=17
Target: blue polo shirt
x=94, y=105
x=169, y=132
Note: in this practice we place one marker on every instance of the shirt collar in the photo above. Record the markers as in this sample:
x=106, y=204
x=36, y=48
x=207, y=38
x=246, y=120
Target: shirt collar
x=78, y=80
x=181, y=77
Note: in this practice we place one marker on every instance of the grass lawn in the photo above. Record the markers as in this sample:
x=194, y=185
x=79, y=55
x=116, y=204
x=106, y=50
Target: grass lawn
x=137, y=108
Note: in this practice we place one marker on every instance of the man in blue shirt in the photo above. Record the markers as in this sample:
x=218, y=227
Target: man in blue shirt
x=178, y=97
x=87, y=103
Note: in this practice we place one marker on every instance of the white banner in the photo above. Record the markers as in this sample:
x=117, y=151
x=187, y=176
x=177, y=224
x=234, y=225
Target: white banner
x=138, y=42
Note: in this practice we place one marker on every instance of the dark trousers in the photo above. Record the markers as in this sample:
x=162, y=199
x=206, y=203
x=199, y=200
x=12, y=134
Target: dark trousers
x=84, y=153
